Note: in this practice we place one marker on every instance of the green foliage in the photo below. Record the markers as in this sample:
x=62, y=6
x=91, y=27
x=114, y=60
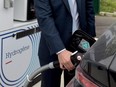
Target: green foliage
x=108, y=5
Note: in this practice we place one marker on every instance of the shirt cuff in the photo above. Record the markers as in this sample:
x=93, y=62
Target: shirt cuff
x=60, y=51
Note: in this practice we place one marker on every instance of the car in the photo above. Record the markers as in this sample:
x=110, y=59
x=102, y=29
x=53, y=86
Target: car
x=98, y=65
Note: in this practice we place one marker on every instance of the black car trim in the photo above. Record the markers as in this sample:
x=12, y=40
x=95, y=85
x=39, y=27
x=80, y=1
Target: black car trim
x=110, y=70
x=90, y=77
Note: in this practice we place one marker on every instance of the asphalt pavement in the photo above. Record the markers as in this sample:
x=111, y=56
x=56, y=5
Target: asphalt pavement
x=103, y=23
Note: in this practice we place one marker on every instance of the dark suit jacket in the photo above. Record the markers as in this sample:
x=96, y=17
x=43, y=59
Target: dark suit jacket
x=55, y=21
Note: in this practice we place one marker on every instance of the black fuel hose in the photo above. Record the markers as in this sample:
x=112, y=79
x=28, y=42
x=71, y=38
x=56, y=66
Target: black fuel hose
x=51, y=65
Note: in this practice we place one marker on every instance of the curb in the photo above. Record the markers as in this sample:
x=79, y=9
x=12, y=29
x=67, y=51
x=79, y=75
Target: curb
x=108, y=14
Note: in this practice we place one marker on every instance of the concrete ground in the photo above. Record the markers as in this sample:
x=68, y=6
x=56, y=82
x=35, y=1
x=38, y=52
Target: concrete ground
x=102, y=23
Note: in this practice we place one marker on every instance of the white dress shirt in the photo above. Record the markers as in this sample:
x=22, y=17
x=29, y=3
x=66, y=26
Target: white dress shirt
x=74, y=13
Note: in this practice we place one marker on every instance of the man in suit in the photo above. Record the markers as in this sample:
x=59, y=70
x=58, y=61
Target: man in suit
x=57, y=22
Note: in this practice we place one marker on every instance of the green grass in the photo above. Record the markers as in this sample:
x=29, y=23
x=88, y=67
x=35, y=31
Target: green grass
x=108, y=5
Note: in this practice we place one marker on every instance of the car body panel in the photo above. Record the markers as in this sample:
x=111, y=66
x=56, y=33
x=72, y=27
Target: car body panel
x=102, y=59
x=103, y=50
x=99, y=62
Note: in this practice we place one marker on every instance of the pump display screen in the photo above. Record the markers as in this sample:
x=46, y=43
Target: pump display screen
x=84, y=44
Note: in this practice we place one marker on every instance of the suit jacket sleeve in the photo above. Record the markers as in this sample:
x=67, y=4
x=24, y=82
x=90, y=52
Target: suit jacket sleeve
x=90, y=17
x=47, y=25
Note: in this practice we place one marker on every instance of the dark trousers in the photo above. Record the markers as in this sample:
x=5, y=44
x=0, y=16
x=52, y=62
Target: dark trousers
x=52, y=78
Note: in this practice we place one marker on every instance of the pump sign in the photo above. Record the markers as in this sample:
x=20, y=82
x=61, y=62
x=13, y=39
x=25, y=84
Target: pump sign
x=18, y=57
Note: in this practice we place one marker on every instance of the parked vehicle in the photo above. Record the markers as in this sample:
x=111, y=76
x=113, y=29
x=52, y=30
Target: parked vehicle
x=98, y=66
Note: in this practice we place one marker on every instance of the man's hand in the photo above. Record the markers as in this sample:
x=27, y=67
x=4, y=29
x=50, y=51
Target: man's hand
x=65, y=61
